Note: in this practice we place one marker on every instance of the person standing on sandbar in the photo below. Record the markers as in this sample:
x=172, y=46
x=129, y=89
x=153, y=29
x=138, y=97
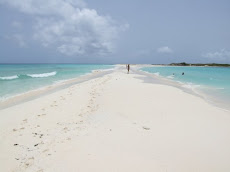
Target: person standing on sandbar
x=128, y=68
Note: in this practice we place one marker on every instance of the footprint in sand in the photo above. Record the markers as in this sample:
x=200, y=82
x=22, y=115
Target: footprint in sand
x=46, y=150
x=146, y=128
x=41, y=115
x=65, y=129
x=62, y=98
x=29, y=162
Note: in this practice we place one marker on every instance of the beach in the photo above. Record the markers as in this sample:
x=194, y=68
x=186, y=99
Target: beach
x=115, y=122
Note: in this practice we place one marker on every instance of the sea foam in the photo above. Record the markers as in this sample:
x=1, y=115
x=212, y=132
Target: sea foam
x=42, y=75
x=157, y=73
x=170, y=76
x=9, y=77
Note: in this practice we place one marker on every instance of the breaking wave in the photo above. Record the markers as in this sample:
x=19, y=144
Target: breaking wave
x=23, y=76
x=42, y=75
x=8, y=77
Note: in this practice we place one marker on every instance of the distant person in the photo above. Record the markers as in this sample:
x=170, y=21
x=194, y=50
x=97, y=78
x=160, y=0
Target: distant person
x=128, y=68
x=182, y=73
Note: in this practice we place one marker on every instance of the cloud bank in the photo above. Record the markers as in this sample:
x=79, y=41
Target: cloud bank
x=222, y=54
x=69, y=26
x=164, y=50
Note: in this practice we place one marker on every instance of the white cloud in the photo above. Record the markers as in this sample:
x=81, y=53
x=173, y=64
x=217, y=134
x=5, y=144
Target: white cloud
x=46, y=7
x=70, y=26
x=164, y=50
x=222, y=54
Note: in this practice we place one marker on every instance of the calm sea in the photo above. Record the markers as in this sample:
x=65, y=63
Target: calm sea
x=20, y=78
x=213, y=81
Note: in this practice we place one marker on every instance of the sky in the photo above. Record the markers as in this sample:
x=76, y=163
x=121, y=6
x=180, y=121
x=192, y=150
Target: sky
x=121, y=31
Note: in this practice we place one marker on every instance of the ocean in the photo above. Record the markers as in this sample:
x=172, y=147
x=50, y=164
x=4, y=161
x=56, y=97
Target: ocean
x=213, y=82
x=20, y=78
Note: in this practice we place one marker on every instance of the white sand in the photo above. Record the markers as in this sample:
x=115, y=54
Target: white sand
x=115, y=123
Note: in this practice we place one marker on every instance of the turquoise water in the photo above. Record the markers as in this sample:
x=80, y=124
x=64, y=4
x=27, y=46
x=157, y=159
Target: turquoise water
x=211, y=80
x=19, y=78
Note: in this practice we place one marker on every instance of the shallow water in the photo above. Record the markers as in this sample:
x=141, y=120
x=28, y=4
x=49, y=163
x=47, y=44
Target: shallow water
x=20, y=78
x=213, y=82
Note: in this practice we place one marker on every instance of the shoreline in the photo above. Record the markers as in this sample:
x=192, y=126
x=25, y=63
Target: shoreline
x=212, y=99
x=34, y=94
x=38, y=92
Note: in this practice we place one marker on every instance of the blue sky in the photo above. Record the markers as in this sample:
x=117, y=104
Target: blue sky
x=121, y=31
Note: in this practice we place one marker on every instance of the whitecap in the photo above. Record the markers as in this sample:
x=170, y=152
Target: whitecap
x=190, y=85
x=8, y=77
x=42, y=75
x=170, y=76
x=220, y=88
x=157, y=73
